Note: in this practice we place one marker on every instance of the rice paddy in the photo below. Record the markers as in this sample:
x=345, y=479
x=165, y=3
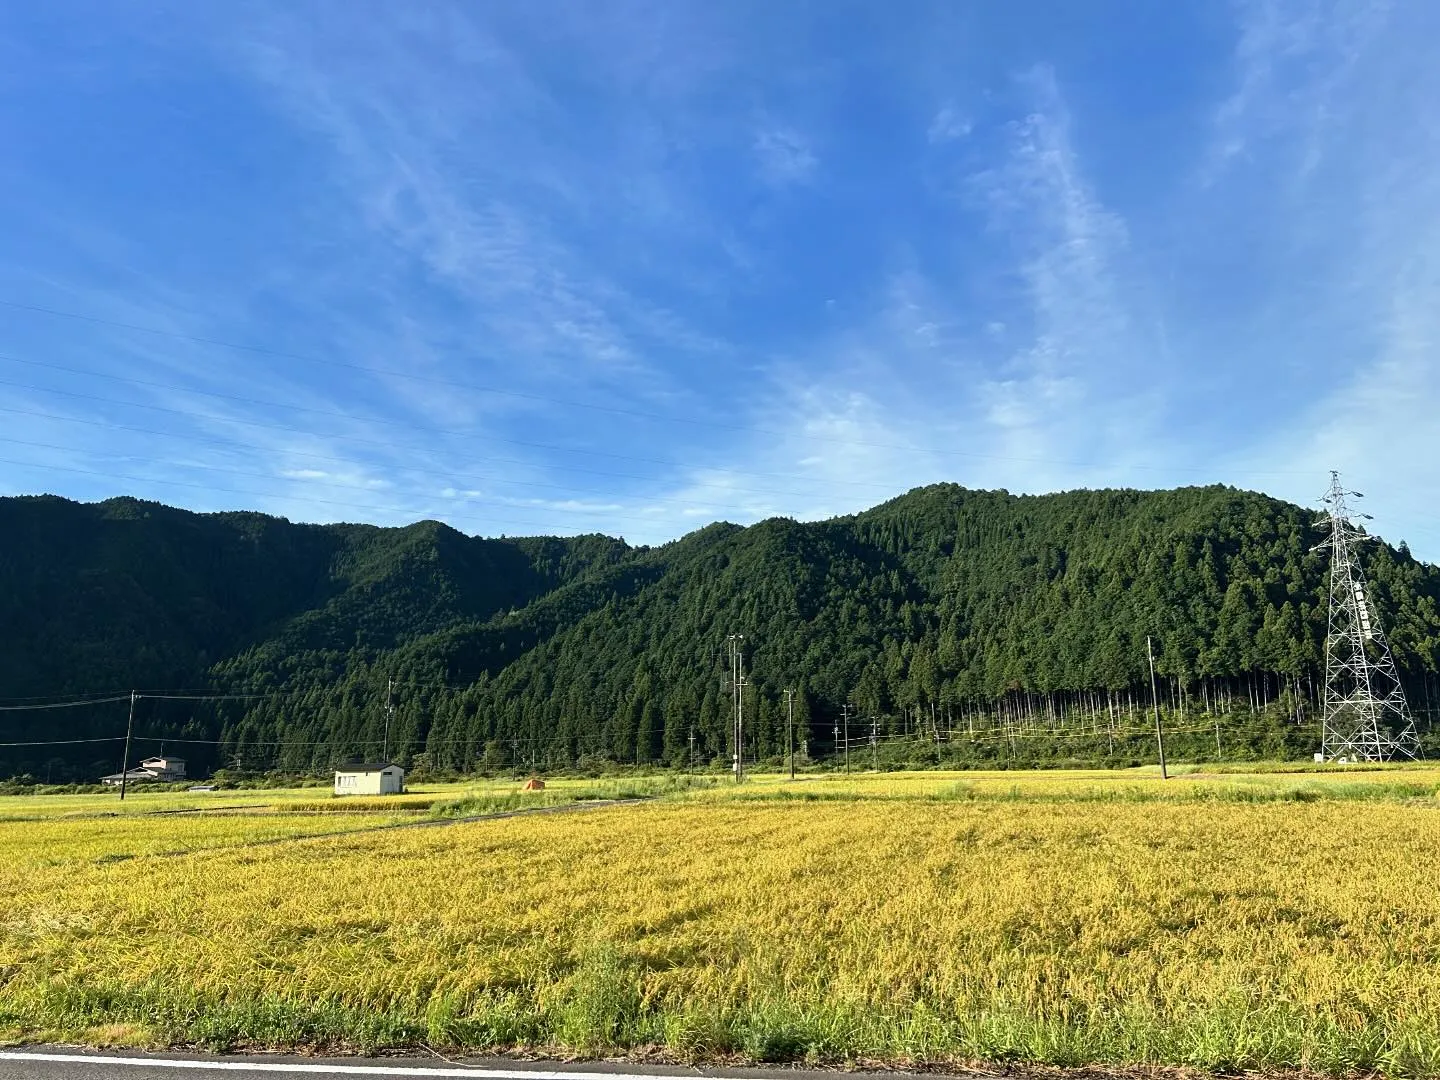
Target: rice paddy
x=1222, y=921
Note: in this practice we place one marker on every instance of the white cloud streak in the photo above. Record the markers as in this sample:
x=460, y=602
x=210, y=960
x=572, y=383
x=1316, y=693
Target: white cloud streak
x=784, y=156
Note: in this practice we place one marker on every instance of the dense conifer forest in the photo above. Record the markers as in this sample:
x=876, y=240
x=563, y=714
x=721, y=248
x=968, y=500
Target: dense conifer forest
x=948, y=625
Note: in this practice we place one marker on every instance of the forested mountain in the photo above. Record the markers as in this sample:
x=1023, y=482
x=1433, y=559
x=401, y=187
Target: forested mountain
x=948, y=615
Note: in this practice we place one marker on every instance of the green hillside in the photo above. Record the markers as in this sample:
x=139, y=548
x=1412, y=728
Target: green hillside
x=942, y=611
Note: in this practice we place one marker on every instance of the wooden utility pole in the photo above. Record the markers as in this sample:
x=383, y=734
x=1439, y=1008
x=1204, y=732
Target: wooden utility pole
x=790, y=729
x=736, y=643
x=129, y=731
x=1155, y=701
x=389, y=715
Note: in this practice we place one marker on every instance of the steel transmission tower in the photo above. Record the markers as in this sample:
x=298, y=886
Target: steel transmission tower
x=1366, y=715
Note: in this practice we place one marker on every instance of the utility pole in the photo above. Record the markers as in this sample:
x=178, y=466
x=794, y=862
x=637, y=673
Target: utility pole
x=790, y=729
x=389, y=715
x=692, y=748
x=874, y=743
x=1366, y=716
x=1155, y=701
x=845, y=720
x=129, y=730
x=1217, y=738
x=736, y=644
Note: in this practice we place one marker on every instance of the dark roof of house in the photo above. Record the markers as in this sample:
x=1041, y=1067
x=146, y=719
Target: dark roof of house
x=371, y=766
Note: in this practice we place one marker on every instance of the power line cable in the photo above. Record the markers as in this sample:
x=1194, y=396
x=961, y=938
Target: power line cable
x=174, y=696
x=20, y=698
x=63, y=704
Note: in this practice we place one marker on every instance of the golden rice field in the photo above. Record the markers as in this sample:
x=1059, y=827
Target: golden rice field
x=151, y=801
x=1235, y=921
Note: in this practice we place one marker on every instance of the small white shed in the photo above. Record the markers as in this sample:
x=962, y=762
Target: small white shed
x=378, y=778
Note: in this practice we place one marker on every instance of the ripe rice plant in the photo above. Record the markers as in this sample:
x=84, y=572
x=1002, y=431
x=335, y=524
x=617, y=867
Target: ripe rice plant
x=914, y=925
x=58, y=843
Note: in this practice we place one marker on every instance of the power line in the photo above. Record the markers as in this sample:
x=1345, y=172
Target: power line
x=42, y=698
x=218, y=697
x=63, y=704
x=601, y=737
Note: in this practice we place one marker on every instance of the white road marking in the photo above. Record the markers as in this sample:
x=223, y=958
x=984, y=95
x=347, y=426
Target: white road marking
x=305, y=1067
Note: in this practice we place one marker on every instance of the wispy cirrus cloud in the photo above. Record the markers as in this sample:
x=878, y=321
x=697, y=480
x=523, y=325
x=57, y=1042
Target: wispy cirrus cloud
x=1358, y=146
x=655, y=264
x=1291, y=61
x=948, y=125
x=924, y=390
x=784, y=156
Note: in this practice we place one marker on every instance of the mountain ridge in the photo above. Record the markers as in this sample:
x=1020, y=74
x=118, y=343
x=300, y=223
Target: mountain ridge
x=587, y=647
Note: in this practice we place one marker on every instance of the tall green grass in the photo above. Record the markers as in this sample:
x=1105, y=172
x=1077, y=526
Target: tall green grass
x=600, y=1010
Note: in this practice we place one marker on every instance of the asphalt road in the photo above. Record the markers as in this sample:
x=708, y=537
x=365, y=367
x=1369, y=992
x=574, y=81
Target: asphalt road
x=59, y=1063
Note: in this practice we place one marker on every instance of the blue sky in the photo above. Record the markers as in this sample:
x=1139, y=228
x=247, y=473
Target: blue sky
x=634, y=267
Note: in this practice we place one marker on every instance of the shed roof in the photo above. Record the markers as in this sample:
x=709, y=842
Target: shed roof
x=372, y=766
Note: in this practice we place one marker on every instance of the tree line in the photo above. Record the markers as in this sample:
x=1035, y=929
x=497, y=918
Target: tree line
x=954, y=624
